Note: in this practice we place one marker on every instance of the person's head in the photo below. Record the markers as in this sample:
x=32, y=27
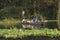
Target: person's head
x=35, y=16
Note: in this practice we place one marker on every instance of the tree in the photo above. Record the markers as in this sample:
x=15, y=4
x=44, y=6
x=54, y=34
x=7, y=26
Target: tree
x=58, y=14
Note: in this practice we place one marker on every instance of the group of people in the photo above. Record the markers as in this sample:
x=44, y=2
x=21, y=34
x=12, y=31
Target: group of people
x=35, y=20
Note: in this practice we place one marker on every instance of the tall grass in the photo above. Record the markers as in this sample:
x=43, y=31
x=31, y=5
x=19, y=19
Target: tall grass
x=9, y=23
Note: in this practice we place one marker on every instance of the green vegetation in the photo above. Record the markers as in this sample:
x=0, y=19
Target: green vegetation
x=43, y=9
x=11, y=12
x=20, y=33
x=10, y=23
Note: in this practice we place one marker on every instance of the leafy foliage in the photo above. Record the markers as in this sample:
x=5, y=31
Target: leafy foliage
x=20, y=33
x=43, y=9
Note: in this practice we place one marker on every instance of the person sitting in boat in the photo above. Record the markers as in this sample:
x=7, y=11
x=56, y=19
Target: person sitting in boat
x=35, y=19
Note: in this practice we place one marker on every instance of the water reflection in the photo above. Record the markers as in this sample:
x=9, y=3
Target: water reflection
x=32, y=25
